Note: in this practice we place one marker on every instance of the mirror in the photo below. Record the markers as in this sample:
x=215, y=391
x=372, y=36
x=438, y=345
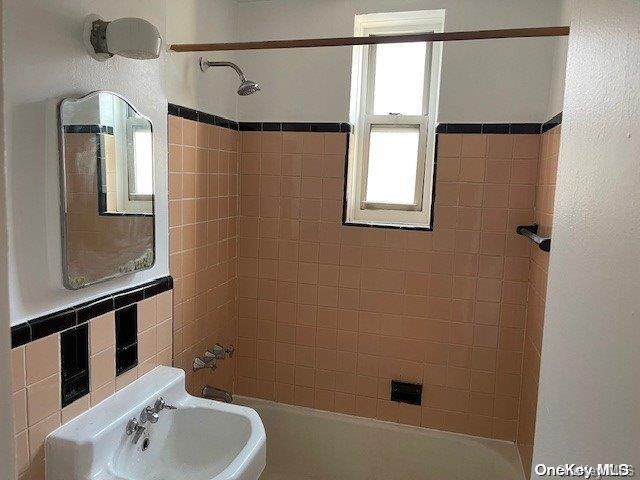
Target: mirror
x=106, y=149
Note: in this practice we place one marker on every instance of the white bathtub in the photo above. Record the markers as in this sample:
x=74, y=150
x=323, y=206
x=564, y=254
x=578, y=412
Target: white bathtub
x=308, y=444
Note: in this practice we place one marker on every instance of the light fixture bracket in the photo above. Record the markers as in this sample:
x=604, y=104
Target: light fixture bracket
x=95, y=38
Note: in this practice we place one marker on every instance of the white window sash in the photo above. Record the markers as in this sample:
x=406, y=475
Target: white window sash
x=392, y=120
x=362, y=92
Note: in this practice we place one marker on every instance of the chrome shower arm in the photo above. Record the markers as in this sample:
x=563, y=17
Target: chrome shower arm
x=205, y=64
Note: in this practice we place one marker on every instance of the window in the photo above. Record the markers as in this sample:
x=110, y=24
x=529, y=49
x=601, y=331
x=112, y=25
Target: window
x=136, y=194
x=394, y=99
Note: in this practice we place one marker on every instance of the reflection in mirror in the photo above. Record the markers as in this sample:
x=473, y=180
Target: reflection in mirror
x=107, y=161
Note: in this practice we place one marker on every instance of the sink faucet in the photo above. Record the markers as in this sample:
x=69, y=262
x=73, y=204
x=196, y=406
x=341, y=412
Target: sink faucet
x=213, y=393
x=148, y=414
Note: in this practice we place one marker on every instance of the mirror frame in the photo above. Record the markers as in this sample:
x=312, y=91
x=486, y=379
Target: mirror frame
x=63, y=191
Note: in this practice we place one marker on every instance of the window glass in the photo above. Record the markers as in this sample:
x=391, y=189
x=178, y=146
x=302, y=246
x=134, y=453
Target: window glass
x=143, y=182
x=399, y=78
x=393, y=157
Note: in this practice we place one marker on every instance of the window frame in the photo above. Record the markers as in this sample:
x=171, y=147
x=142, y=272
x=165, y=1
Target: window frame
x=357, y=209
x=134, y=202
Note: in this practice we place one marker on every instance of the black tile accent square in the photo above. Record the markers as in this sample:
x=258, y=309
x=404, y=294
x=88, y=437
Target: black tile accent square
x=126, y=338
x=406, y=392
x=74, y=363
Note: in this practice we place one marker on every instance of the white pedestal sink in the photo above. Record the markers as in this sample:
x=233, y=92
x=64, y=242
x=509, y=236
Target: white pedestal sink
x=199, y=440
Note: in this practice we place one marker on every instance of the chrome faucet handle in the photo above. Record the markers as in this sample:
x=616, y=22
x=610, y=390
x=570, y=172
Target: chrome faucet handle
x=162, y=405
x=207, y=362
x=132, y=426
x=208, y=354
x=148, y=415
x=218, y=351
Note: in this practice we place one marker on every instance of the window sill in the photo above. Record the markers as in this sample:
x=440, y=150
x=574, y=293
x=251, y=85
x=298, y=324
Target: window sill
x=393, y=226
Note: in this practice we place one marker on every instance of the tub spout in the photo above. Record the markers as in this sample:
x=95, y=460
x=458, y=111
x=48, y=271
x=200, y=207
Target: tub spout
x=213, y=393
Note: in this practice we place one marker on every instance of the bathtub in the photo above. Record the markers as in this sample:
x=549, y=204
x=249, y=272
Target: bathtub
x=308, y=444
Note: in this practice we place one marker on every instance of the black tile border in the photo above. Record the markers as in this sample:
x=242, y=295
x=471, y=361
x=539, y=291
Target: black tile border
x=490, y=128
x=199, y=116
x=106, y=129
x=203, y=117
x=313, y=127
x=80, y=314
x=501, y=128
x=552, y=122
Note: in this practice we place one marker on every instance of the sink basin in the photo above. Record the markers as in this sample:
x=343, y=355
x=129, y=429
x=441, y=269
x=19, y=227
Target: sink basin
x=199, y=440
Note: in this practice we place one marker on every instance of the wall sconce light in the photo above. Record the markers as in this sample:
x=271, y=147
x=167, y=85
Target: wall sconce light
x=127, y=37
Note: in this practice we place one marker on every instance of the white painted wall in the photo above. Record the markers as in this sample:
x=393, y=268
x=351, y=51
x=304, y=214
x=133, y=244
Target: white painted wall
x=589, y=390
x=559, y=66
x=482, y=81
x=201, y=21
x=44, y=62
x=6, y=399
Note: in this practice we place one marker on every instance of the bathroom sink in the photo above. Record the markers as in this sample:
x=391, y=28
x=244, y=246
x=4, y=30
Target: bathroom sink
x=198, y=440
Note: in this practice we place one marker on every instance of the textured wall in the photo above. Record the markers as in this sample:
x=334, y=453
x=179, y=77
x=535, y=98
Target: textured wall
x=47, y=37
x=588, y=397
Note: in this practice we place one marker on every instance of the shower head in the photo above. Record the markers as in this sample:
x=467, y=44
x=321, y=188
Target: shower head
x=247, y=87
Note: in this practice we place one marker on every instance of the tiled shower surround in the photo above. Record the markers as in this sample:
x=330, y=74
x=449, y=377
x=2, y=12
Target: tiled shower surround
x=536, y=297
x=325, y=315
x=329, y=314
x=203, y=226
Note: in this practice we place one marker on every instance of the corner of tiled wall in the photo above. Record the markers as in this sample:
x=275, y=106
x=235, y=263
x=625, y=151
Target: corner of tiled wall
x=536, y=296
x=203, y=226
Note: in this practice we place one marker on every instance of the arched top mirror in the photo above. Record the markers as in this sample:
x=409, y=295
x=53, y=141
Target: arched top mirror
x=106, y=148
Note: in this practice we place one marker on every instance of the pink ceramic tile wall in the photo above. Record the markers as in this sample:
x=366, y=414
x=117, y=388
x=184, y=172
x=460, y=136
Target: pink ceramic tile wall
x=203, y=225
x=537, y=290
x=329, y=314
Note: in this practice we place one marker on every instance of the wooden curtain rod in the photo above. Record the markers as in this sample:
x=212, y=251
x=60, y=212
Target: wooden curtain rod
x=346, y=41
